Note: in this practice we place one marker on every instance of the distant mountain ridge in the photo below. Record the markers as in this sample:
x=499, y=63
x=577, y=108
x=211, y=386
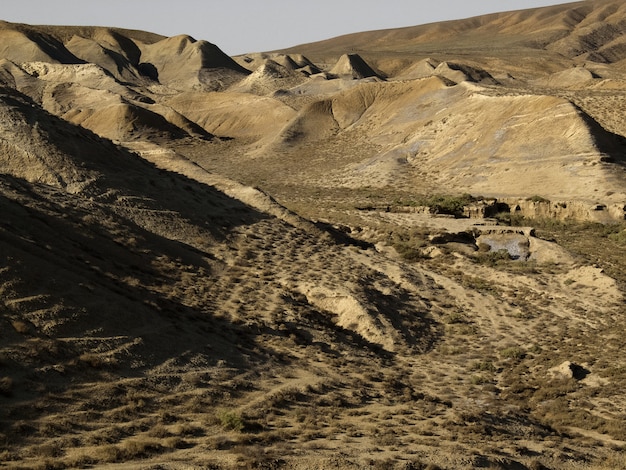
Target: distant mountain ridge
x=587, y=30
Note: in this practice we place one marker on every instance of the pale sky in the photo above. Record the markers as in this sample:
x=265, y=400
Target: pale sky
x=240, y=26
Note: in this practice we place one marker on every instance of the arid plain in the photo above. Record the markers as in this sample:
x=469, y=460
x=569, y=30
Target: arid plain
x=396, y=249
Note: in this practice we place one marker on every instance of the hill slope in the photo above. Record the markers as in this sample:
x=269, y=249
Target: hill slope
x=269, y=262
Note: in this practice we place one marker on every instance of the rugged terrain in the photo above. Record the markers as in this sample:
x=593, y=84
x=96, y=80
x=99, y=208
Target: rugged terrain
x=393, y=249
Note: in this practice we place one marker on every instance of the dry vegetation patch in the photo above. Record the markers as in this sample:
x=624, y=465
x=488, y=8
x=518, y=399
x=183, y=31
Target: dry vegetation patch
x=283, y=275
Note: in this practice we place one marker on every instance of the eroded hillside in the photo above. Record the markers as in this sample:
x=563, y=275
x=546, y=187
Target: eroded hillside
x=383, y=253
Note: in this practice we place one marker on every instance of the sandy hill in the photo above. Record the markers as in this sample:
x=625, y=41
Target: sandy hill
x=352, y=65
x=394, y=249
x=183, y=62
x=271, y=76
x=590, y=30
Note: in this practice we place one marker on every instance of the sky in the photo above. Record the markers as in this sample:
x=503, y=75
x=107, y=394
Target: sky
x=241, y=26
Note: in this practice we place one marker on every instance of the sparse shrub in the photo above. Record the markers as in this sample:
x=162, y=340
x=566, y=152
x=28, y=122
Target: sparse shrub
x=448, y=204
x=57, y=426
x=485, y=366
x=20, y=326
x=513, y=352
x=50, y=450
x=503, y=218
x=455, y=318
x=186, y=429
x=553, y=389
x=409, y=244
x=159, y=431
x=80, y=461
x=175, y=442
x=165, y=417
x=230, y=420
x=537, y=198
x=92, y=360
x=108, y=453
x=256, y=457
x=619, y=237
x=49, y=464
x=480, y=284
x=137, y=448
x=6, y=386
x=492, y=258
x=479, y=380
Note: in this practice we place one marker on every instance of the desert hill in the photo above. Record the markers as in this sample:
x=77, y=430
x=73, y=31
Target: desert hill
x=394, y=249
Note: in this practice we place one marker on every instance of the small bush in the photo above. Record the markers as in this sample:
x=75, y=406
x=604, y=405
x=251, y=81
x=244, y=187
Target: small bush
x=20, y=326
x=137, y=448
x=159, y=431
x=175, y=442
x=49, y=450
x=619, y=237
x=6, y=386
x=537, y=198
x=186, y=429
x=230, y=420
x=108, y=453
x=513, y=353
x=492, y=258
x=479, y=380
x=455, y=318
x=92, y=360
x=485, y=366
x=447, y=204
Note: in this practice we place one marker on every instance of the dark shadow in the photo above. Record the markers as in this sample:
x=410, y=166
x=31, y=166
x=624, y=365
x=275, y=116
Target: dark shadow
x=341, y=235
x=148, y=70
x=319, y=320
x=102, y=265
x=51, y=46
x=127, y=175
x=578, y=371
x=613, y=146
x=417, y=327
x=497, y=208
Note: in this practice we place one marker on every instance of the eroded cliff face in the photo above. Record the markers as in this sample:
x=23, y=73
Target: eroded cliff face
x=541, y=208
x=569, y=210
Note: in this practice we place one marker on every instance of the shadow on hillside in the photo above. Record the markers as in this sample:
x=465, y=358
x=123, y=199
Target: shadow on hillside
x=417, y=327
x=123, y=177
x=610, y=144
x=90, y=296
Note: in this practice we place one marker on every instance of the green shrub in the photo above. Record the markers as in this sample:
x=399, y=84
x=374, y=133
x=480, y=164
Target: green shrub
x=513, y=353
x=619, y=237
x=441, y=203
x=486, y=366
x=447, y=204
x=492, y=258
x=230, y=420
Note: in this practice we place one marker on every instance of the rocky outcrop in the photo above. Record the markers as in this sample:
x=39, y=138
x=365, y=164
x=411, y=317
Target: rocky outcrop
x=540, y=208
x=568, y=210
